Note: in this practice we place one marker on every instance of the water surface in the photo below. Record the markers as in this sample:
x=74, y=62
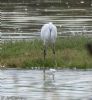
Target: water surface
x=28, y=18
x=29, y=85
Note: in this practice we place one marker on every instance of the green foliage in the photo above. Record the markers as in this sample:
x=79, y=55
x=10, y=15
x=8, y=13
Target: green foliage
x=70, y=53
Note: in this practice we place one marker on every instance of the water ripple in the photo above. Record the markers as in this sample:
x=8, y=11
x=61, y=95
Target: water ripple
x=68, y=85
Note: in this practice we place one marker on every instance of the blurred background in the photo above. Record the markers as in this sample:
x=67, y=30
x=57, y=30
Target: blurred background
x=26, y=17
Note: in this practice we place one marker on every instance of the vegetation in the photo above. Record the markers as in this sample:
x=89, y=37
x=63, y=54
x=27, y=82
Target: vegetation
x=70, y=53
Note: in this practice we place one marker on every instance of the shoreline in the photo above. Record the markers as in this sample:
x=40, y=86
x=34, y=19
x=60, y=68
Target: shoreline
x=70, y=52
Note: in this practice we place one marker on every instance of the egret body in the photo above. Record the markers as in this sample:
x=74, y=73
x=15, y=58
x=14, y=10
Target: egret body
x=48, y=36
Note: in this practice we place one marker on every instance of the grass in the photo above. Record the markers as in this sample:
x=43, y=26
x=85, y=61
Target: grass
x=70, y=53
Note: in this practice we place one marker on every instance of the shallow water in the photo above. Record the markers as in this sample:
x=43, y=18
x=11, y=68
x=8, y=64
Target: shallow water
x=29, y=18
x=29, y=85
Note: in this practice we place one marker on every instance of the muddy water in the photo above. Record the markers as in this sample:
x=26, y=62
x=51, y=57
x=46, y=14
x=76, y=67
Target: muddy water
x=29, y=85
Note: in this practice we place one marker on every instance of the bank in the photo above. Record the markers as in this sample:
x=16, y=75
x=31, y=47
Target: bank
x=71, y=52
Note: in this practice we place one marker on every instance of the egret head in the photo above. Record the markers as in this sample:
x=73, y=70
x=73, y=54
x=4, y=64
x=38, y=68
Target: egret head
x=50, y=23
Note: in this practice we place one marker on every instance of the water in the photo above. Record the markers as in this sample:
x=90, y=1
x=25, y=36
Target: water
x=29, y=85
x=28, y=17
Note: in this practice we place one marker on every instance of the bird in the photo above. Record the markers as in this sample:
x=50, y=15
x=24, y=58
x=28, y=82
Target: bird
x=48, y=36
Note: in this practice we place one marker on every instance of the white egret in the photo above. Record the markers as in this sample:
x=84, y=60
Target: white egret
x=48, y=35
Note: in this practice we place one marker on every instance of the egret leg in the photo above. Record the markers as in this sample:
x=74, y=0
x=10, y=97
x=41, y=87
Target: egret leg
x=44, y=73
x=44, y=60
x=53, y=76
x=44, y=52
x=53, y=49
